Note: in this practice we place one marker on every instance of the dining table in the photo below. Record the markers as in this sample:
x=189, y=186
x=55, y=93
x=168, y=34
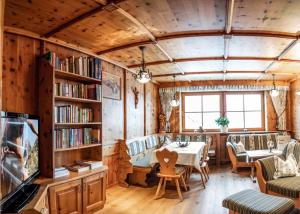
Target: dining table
x=189, y=156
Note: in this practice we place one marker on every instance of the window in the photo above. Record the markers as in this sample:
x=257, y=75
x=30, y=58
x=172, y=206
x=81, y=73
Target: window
x=245, y=111
x=200, y=110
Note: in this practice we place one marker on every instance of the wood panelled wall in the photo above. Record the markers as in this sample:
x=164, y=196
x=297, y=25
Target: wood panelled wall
x=20, y=74
x=135, y=115
x=295, y=109
x=120, y=117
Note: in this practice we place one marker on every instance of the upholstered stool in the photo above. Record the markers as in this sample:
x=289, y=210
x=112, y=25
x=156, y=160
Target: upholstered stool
x=254, y=202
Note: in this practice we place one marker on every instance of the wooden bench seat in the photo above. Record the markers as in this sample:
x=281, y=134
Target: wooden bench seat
x=134, y=162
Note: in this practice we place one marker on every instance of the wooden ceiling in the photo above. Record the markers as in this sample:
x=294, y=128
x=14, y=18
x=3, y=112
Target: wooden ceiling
x=193, y=39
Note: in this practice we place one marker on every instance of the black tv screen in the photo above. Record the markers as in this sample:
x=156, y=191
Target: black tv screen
x=19, y=151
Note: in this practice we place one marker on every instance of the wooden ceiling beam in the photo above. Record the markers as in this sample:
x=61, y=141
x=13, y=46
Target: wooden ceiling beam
x=188, y=34
x=207, y=72
x=151, y=37
x=229, y=15
x=279, y=57
x=196, y=59
x=81, y=17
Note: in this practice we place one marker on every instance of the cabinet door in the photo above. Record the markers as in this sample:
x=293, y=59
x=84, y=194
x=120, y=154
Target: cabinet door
x=66, y=198
x=94, y=192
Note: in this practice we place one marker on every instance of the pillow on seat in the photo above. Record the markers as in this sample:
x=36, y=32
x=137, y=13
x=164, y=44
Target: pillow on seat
x=288, y=168
x=240, y=148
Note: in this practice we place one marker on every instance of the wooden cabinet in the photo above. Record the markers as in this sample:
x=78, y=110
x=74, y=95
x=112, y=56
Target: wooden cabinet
x=66, y=198
x=83, y=195
x=93, y=192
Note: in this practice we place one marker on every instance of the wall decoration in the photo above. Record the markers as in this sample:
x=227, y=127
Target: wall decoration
x=136, y=96
x=111, y=86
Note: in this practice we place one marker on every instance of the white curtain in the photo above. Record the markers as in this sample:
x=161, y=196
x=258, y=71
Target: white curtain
x=165, y=99
x=279, y=104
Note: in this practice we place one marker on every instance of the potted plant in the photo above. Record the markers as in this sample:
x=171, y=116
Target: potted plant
x=223, y=123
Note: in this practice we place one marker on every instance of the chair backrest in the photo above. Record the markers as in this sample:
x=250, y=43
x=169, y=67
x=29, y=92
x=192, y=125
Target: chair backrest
x=167, y=160
x=205, y=152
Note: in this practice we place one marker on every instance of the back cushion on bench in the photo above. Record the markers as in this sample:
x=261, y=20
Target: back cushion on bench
x=254, y=141
x=151, y=142
x=136, y=147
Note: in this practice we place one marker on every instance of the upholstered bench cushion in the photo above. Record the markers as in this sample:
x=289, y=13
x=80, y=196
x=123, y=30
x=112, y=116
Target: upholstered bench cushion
x=289, y=186
x=151, y=142
x=143, y=162
x=254, y=202
x=136, y=147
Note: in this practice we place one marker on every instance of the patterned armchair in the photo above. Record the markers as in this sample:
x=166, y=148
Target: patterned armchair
x=251, y=142
x=287, y=187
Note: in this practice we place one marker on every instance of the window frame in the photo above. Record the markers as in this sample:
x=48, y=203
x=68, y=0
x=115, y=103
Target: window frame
x=262, y=128
x=184, y=94
x=223, y=110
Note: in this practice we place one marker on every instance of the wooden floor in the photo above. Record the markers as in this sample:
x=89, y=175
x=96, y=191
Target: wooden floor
x=138, y=200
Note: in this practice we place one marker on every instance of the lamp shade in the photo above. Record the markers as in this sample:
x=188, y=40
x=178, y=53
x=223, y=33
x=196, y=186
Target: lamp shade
x=274, y=93
x=143, y=77
x=298, y=93
x=174, y=102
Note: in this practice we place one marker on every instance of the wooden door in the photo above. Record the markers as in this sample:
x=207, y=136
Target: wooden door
x=94, y=192
x=66, y=198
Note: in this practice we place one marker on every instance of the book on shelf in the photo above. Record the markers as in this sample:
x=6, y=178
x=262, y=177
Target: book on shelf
x=61, y=172
x=78, y=90
x=78, y=168
x=83, y=65
x=90, y=163
x=72, y=114
x=70, y=138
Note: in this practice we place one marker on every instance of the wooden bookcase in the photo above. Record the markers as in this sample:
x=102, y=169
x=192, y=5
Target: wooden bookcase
x=52, y=157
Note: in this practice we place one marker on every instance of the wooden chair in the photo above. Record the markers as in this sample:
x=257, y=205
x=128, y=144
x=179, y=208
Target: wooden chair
x=169, y=171
x=204, y=163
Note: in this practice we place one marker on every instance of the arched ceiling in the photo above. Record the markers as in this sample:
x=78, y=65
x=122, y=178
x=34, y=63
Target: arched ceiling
x=193, y=39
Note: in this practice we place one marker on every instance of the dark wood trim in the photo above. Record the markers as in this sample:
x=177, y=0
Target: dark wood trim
x=2, y=9
x=196, y=59
x=125, y=104
x=223, y=108
x=207, y=72
x=145, y=110
x=252, y=33
x=80, y=18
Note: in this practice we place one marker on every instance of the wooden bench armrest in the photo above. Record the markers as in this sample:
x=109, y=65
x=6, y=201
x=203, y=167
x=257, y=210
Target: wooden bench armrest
x=260, y=178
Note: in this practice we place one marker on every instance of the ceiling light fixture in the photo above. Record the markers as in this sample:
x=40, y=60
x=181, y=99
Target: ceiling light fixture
x=274, y=92
x=174, y=102
x=144, y=75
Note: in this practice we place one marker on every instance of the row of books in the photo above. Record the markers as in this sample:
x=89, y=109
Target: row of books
x=78, y=166
x=78, y=90
x=69, y=138
x=85, y=66
x=72, y=114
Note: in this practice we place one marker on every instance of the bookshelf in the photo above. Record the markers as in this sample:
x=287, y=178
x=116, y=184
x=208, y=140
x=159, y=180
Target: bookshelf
x=53, y=106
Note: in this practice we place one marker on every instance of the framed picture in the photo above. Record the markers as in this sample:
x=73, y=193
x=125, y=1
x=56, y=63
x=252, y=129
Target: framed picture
x=111, y=86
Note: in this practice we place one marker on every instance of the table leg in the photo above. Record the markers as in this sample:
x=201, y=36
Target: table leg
x=252, y=171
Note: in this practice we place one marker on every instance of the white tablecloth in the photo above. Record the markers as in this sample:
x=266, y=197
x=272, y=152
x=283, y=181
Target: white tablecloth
x=188, y=156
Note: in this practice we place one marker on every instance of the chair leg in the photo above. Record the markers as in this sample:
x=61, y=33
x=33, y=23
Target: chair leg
x=164, y=185
x=183, y=182
x=178, y=189
x=158, y=188
x=207, y=169
x=202, y=179
x=204, y=173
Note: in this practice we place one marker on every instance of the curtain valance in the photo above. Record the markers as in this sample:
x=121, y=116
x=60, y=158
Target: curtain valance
x=223, y=88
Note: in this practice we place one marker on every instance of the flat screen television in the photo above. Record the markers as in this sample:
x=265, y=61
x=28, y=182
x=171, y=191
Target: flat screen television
x=19, y=153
